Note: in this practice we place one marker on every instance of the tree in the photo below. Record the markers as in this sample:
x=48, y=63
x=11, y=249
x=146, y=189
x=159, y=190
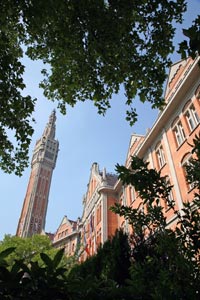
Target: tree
x=16, y=109
x=103, y=275
x=160, y=264
x=32, y=281
x=28, y=249
x=166, y=262
x=91, y=48
x=191, y=47
x=23, y=278
x=111, y=262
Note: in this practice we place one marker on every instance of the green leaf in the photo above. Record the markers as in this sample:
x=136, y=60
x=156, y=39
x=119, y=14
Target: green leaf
x=6, y=252
x=47, y=260
x=58, y=257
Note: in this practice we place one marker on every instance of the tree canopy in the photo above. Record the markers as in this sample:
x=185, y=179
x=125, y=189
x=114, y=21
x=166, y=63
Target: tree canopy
x=26, y=248
x=166, y=261
x=29, y=249
x=91, y=48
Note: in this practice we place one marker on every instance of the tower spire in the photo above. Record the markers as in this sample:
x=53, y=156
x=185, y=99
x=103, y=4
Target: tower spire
x=33, y=214
x=50, y=128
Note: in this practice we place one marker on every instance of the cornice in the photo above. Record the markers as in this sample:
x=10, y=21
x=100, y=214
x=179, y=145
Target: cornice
x=182, y=87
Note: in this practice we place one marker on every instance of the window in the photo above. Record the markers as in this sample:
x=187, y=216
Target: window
x=192, y=117
x=185, y=163
x=49, y=155
x=179, y=133
x=131, y=194
x=98, y=237
x=122, y=197
x=170, y=198
x=99, y=214
x=160, y=156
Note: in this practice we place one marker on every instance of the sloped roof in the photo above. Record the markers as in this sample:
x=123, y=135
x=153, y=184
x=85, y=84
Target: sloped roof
x=65, y=220
x=173, y=73
x=111, y=179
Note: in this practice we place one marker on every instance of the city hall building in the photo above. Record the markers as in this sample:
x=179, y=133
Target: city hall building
x=166, y=147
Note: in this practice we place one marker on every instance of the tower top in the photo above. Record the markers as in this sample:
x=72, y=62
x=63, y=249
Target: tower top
x=50, y=128
x=46, y=148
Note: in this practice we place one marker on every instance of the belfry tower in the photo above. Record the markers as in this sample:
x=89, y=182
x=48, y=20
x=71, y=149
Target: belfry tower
x=33, y=214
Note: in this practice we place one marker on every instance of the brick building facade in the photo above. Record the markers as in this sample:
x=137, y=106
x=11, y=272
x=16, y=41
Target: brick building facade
x=166, y=147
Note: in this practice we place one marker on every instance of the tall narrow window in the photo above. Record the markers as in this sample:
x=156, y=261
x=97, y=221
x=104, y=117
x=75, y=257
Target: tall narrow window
x=185, y=163
x=170, y=195
x=131, y=194
x=160, y=156
x=179, y=133
x=192, y=117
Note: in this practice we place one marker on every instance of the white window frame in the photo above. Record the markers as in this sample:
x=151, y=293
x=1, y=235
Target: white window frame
x=179, y=133
x=185, y=163
x=132, y=195
x=170, y=196
x=160, y=156
x=192, y=117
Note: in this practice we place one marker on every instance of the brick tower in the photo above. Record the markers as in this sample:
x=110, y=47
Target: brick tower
x=33, y=214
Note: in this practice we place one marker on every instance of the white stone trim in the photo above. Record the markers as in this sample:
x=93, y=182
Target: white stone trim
x=173, y=172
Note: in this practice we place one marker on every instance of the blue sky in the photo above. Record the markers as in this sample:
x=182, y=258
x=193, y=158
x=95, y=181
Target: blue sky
x=84, y=137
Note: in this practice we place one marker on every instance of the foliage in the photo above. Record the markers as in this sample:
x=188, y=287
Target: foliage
x=162, y=263
x=151, y=188
x=91, y=49
x=28, y=249
x=153, y=263
x=189, y=223
x=111, y=262
x=192, y=46
x=50, y=281
x=161, y=271
x=193, y=169
x=16, y=109
x=110, y=43
x=166, y=262
x=33, y=281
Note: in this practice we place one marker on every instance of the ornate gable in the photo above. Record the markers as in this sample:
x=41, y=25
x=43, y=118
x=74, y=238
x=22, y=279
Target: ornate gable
x=66, y=228
x=134, y=144
x=94, y=180
x=177, y=73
